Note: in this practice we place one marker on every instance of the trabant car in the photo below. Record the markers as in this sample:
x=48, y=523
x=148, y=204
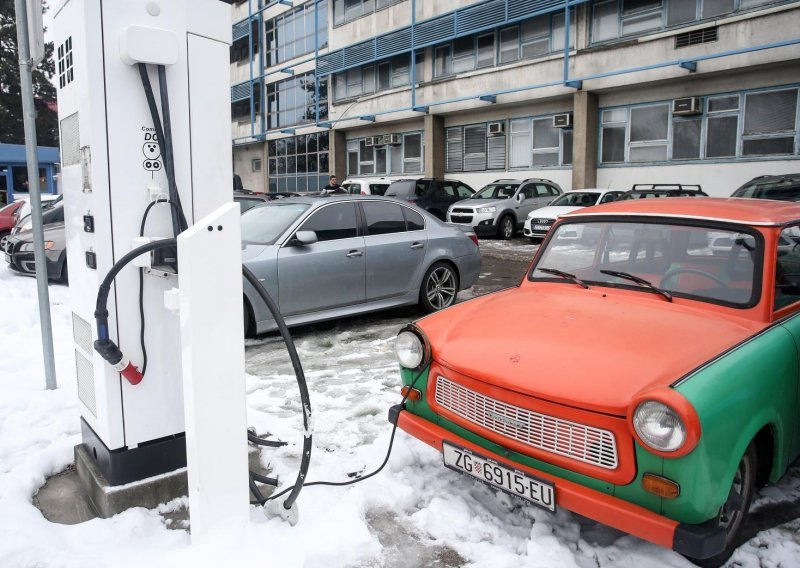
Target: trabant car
x=664, y=390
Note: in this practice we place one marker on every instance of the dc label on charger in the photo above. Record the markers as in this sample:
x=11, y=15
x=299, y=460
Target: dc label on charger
x=151, y=151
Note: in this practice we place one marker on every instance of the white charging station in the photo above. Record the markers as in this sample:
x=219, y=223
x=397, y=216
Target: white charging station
x=112, y=169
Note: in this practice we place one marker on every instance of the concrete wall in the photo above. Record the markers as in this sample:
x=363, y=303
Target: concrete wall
x=242, y=164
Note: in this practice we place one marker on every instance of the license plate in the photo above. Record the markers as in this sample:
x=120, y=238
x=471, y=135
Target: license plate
x=510, y=480
x=541, y=227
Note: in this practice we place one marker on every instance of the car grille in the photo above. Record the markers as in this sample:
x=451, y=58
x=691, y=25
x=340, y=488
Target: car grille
x=586, y=444
x=461, y=215
x=542, y=221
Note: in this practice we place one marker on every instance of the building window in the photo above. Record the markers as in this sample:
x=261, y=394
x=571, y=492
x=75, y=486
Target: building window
x=240, y=110
x=534, y=37
x=240, y=49
x=739, y=125
x=292, y=101
x=364, y=157
x=348, y=10
x=256, y=164
x=612, y=19
x=292, y=34
x=299, y=163
x=389, y=74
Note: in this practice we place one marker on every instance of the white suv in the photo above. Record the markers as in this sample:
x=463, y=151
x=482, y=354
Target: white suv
x=366, y=186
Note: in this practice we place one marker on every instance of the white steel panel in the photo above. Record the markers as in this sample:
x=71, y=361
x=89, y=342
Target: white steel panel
x=212, y=347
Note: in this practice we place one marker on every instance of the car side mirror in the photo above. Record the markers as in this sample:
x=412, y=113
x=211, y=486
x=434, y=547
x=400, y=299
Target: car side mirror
x=520, y=198
x=304, y=238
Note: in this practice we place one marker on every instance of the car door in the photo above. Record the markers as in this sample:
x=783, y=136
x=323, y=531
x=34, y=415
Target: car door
x=543, y=195
x=395, y=254
x=328, y=273
x=528, y=204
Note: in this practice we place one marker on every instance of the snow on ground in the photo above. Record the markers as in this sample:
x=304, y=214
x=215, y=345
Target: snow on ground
x=415, y=513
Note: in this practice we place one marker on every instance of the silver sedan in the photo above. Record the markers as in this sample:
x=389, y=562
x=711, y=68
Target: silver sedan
x=327, y=257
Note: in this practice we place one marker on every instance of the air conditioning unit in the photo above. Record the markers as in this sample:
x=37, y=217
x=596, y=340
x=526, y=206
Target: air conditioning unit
x=370, y=140
x=689, y=105
x=393, y=139
x=497, y=128
x=562, y=120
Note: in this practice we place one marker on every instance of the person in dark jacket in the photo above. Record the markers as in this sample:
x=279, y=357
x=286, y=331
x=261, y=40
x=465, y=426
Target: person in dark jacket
x=333, y=186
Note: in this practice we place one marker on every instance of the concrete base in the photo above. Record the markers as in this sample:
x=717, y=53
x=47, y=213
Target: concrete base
x=109, y=500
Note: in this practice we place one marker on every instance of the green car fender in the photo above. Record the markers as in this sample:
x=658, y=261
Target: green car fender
x=749, y=388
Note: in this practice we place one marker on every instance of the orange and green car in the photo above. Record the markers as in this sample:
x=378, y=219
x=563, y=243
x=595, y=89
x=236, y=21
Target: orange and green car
x=644, y=373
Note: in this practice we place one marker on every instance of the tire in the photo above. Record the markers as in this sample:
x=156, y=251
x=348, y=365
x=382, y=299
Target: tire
x=733, y=513
x=506, y=228
x=439, y=287
x=249, y=324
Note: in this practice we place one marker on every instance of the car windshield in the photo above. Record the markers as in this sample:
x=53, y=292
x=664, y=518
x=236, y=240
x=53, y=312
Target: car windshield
x=576, y=199
x=708, y=263
x=263, y=224
x=783, y=190
x=246, y=204
x=496, y=191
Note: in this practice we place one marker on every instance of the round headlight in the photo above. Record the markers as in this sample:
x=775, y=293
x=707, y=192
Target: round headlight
x=659, y=426
x=409, y=350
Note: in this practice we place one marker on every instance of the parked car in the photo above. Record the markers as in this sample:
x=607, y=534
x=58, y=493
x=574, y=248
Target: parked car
x=540, y=221
x=433, y=195
x=20, y=208
x=328, y=257
x=501, y=207
x=20, y=256
x=653, y=190
x=781, y=187
x=52, y=212
x=664, y=390
x=366, y=186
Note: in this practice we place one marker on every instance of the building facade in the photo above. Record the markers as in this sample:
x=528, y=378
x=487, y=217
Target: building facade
x=603, y=93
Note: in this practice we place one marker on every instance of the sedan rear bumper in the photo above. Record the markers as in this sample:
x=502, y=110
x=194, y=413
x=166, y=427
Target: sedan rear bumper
x=695, y=541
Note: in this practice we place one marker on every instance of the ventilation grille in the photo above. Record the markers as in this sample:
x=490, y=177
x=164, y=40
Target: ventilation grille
x=66, y=72
x=695, y=37
x=240, y=92
x=84, y=370
x=240, y=30
x=70, y=141
x=475, y=148
x=455, y=150
x=82, y=333
x=586, y=444
x=497, y=153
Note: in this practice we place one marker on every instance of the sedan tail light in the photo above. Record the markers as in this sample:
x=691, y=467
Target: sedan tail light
x=474, y=238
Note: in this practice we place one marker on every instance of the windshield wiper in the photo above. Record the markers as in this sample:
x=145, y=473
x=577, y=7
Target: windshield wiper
x=640, y=281
x=566, y=275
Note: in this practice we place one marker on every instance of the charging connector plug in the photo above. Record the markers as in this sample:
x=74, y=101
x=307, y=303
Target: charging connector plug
x=276, y=508
x=109, y=351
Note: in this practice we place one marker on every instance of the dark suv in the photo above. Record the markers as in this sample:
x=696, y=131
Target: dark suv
x=782, y=188
x=433, y=195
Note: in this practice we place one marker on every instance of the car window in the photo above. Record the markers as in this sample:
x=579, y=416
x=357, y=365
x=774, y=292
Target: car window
x=383, y=218
x=336, y=221
x=610, y=196
x=401, y=188
x=787, y=268
x=378, y=188
x=353, y=188
x=447, y=189
x=542, y=190
x=529, y=191
x=264, y=224
x=553, y=191
x=420, y=188
x=782, y=190
x=414, y=220
x=463, y=191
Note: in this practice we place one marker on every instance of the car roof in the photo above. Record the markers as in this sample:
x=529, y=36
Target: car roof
x=316, y=199
x=764, y=212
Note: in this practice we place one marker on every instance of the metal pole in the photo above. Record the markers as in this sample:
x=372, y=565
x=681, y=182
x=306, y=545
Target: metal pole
x=29, y=120
x=413, y=70
x=566, y=40
x=316, y=61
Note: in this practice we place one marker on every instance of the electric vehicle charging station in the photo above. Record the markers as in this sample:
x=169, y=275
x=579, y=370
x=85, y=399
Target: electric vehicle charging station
x=117, y=171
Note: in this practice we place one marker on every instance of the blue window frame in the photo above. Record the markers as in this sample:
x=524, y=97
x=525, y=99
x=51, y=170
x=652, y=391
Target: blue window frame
x=382, y=76
x=755, y=124
x=292, y=34
x=345, y=11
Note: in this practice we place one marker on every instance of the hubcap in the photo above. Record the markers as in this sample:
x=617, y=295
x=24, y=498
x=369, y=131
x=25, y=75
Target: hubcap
x=441, y=288
x=508, y=229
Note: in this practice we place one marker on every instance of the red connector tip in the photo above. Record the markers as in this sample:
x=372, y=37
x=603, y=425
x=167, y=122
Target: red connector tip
x=132, y=374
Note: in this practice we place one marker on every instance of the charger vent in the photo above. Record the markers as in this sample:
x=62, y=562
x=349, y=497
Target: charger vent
x=84, y=371
x=70, y=141
x=82, y=333
x=66, y=71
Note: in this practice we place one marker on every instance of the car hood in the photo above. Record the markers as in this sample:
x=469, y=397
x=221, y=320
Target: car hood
x=52, y=232
x=551, y=212
x=250, y=251
x=469, y=202
x=593, y=349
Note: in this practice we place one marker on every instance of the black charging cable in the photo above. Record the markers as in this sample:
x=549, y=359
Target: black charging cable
x=260, y=499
